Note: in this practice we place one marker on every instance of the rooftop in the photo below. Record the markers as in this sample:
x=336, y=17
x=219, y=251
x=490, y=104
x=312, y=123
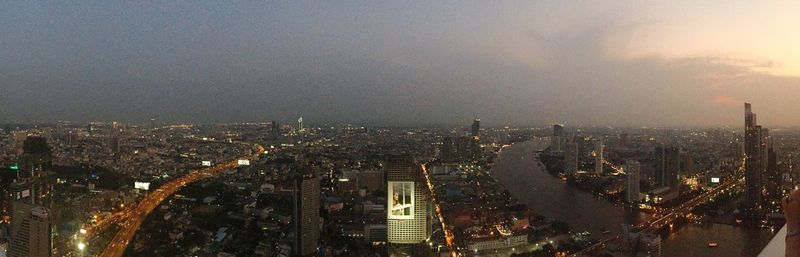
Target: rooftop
x=777, y=246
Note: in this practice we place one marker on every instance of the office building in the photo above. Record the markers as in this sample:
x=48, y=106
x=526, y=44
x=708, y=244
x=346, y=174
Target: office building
x=31, y=231
x=408, y=214
x=275, y=129
x=571, y=157
x=114, y=145
x=640, y=244
x=7, y=176
x=30, y=202
x=371, y=180
x=667, y=166
x=753, y=140
x=375, y=233
x=772, y=179
x=306, y=214
x=459, y=149
x=153, y=124
x=558, y=140
x=30, y=182
x=632, y=192
x=476, y=129
x=36, y=156
x=598, y=156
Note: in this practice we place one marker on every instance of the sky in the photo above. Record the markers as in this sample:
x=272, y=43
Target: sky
x=581, y=63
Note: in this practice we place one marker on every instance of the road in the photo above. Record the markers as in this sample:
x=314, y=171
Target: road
x=134, y=218
x=448, y=234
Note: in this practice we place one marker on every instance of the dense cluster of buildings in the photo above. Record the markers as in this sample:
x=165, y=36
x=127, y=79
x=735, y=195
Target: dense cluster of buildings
x=349, y=190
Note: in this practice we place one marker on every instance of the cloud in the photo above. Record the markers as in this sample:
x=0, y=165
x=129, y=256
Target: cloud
x=726, y=101
x=524, y=63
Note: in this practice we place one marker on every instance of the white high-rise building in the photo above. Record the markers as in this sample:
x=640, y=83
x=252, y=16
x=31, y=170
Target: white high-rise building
x=300, y=124
x=408, y=211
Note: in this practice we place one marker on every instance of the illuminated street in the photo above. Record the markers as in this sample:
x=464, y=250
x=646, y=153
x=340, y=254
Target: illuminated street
x=399, y=128
x=133, y=220
x=449, y=237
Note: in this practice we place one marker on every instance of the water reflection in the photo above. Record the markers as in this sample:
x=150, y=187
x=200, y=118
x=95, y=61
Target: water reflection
x=518, y=169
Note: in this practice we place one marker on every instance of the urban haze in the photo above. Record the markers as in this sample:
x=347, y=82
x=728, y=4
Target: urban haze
x=394, y=128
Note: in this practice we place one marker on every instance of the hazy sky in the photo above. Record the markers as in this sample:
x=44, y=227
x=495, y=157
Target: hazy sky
x=627, y=63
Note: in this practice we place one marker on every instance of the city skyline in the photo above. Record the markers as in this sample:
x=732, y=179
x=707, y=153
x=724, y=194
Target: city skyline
x=512, y=63
x=286, y=191
x=392, y=129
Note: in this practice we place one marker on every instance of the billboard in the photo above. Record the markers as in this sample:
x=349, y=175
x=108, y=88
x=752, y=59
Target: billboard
x=401, y=200
x=141, y=185
x=714, y=180
x=243, y=162
x=25, y=193
x=207, y=163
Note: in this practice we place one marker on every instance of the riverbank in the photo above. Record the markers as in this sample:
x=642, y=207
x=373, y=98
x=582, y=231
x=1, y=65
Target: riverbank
x=517, y=168
x=525, y=177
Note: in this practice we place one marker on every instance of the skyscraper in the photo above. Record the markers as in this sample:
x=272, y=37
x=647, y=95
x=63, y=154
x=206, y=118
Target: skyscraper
x=753, y=166
x=558, y=140
x=408, y=211
x=476, y=129
x=275, y=128
x=300, y=124
x=459, y=149
x=153, y=124
x=36, y=155
x=31, y=231
x=306, y=214
x=598, y=156
x=667, y=165
x=571, y=157
x=30, y=205
x=632, y=169
x=772, y=180
x=26, y=184
x=113, y=144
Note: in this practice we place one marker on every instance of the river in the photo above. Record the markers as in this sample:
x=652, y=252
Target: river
x=517, y=168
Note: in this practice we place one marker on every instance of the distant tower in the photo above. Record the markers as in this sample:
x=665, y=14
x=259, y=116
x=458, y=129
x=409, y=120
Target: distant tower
x=476, y=128
x=558, y=140
x=598, y=156
x=571, y=157
x=632, y=168
x=114, y=145
x=36, y=155
x=275, y=128
x=306, y=214
x=753, y=166
x=772, y=179
x=152, y=123
x=300, y=124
